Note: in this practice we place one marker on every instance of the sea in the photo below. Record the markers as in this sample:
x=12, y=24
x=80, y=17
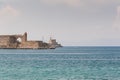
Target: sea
x=66, y=63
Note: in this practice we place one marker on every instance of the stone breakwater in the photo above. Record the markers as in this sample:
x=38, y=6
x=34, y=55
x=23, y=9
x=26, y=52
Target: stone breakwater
x=21, y=42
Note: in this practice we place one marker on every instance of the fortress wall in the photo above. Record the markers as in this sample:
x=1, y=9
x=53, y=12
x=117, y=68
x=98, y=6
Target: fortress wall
x=42, y=45
x=8, y=42
x=4, y=41
x=12, y=45
x=12, y=41
x=29, y=44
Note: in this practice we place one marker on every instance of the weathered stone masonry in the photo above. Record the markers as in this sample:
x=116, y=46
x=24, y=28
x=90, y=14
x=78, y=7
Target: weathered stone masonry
x=20, y=42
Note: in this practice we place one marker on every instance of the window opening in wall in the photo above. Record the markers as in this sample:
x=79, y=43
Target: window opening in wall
x=19, y=40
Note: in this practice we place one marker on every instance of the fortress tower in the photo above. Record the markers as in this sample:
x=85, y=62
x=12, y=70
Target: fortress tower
x=24, y=39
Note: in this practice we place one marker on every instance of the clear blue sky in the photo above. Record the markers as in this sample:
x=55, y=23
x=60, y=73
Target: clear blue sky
x=71, y=22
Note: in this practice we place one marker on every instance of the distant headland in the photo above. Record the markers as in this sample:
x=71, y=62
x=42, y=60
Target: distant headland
x=21, y=42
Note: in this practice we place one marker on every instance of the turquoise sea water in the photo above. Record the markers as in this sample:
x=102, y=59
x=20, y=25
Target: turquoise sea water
x=67, y=63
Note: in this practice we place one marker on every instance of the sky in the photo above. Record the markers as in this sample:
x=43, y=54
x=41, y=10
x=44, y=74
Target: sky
x=71, y=22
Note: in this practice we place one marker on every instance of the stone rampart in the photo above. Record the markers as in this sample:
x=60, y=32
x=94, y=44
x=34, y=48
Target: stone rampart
x=11, y=41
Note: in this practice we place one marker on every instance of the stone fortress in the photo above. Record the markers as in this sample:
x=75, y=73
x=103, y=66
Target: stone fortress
x=21, y=42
